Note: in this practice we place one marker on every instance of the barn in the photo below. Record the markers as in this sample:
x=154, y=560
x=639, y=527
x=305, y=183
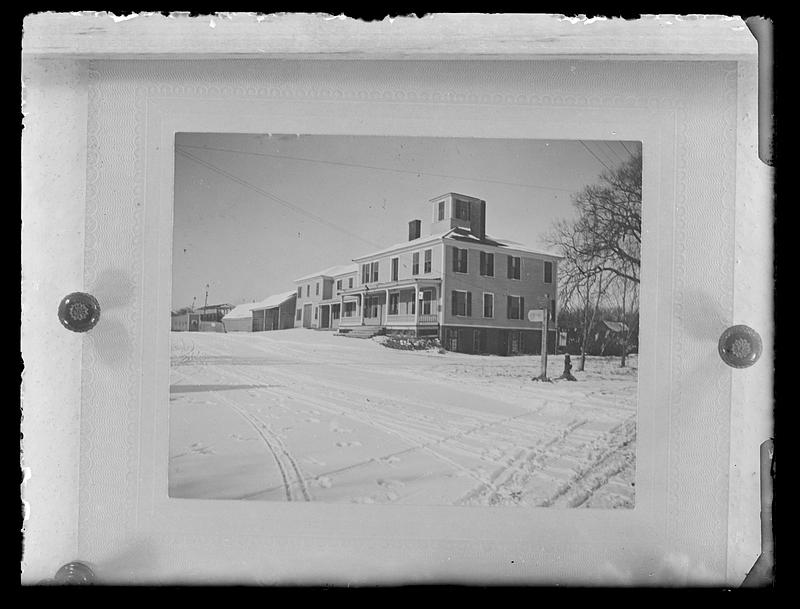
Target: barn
x=240, y=318
x=275, y=312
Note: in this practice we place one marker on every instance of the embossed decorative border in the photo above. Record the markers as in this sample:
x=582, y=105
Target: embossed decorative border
x=93, y=447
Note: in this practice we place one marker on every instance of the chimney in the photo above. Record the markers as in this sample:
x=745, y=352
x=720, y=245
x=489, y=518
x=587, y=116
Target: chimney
x=414, y=229
x=478, y=220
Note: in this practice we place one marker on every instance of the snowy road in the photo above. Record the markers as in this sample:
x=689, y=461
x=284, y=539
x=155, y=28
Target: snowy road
x=301, y=415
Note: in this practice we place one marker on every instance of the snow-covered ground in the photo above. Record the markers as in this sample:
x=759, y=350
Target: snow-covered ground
x=302, y=415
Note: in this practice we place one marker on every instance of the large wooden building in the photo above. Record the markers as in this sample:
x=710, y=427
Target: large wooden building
x=472, y=290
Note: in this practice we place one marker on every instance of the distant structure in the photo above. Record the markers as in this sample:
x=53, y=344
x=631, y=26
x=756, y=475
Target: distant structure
x=274, y=313
x=204, y=319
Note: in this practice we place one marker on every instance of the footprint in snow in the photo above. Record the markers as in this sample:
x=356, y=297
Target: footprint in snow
x=312, y=420
x=362, y=500
x=324, y=482
x=334, y=427
x=238, y=438
x=346, y=444
x=387, y=482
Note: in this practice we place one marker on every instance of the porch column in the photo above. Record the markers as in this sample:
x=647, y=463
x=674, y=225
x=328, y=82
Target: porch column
x=416, y=304
x=361, y=306
x=386, y=308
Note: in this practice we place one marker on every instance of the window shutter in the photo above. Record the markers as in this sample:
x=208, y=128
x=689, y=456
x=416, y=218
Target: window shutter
x=508, y=307
x=521, y=307
x=483, y=263
x=455, y=259
x=490, y=264
x=469, y=304
x=510, y=267
x=454, y=304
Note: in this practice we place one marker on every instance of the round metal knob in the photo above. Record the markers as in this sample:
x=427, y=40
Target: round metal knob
x=740, y=346
x=71, y=574
x=74, y=573
x=79, y=312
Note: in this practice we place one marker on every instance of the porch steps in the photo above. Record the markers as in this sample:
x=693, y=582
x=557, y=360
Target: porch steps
x=360, y=331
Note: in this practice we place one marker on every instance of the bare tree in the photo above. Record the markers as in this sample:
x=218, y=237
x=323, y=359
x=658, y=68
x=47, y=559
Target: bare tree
x=602, y=248
x=610, y=220
x=625, y=293
x=582, y=283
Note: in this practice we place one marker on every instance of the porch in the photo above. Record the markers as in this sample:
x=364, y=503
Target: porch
x=412, y=305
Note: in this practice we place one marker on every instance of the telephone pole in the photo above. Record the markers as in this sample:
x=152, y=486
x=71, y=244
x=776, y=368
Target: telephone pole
x=545, y=317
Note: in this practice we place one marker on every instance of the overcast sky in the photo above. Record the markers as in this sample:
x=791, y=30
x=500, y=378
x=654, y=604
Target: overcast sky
x=254, y=212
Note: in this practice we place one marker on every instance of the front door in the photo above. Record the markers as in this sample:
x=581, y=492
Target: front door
x=307, y=316
x=326, y=312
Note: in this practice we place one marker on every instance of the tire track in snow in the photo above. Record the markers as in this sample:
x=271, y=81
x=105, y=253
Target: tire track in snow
x=268, y=438
x=393, y=417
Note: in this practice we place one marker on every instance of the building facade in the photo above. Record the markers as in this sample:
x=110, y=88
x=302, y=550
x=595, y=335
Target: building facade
x=473, y=291
x=274, y=313
x=318, y=303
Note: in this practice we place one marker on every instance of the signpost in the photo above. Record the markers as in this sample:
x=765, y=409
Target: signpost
x=542, y=315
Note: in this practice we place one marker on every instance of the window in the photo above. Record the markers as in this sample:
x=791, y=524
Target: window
x=441, y=210
x=553, y=311
x=428, y=261
x=459, y=260
x=299, y=315
x=338, y=285
x=415, y=263
x=427, y=298
x=515, y=307
x=487, y=264
x=548, y=272
x=374, y=277
x=308, y=290
x=513, y=267
x=394, y=300
x=318, y=288
x=300, y=292
x=395, y=268
x=316, y=312
x=349, y=282
x=462, y=210
x=349, y=309
x=488, y=305
x=461, y=303
x=364, y=273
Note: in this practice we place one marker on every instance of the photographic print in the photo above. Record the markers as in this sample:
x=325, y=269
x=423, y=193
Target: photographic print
x=406, y=320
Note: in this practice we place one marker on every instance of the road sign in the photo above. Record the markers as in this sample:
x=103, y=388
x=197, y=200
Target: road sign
x=535, y=315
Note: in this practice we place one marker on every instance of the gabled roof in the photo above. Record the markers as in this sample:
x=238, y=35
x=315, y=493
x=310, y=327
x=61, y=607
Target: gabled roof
x=460, y=234
x=242, y=311
x=615, y=326
x=222, y=305
x=275, y=300
x=333, y=271
x=403, y=244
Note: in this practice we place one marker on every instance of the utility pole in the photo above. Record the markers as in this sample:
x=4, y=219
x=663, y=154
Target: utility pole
x=206, y=302
x=545, y=315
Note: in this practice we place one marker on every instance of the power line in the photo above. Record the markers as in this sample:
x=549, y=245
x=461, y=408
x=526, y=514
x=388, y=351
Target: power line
x=375, y=167
x=626, y=150
x=595, y=156
x=614, y=152
x=273, y=197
